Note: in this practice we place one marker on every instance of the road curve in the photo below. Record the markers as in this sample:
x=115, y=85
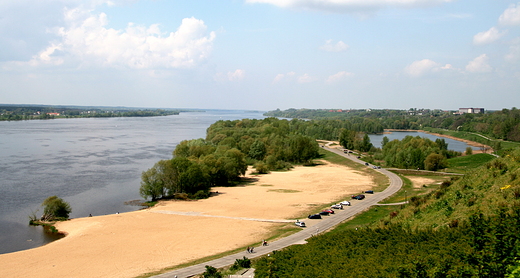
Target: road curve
x=298, y=238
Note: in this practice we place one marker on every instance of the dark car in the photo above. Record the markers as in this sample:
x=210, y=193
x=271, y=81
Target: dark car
x=324, y=213
x=358, y=197
x=314, y=216
x=369, y=191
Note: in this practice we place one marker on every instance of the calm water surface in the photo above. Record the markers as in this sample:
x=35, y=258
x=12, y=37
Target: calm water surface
x=93, y=164
x=377, y=139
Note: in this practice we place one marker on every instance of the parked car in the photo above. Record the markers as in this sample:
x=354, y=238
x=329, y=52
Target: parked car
x=345, y=203
x=324, y=213
x=366, y=163
x=358, y=197
x=337, y=206
x=328, y=210
x=314, y=216
x=370, y=191
x=300, y=224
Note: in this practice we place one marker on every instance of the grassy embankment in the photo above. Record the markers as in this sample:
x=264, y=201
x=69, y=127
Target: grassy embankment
x=467, y=227
x=474, y=137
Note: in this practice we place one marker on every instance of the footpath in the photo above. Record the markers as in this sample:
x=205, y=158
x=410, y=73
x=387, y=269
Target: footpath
x=357, y=206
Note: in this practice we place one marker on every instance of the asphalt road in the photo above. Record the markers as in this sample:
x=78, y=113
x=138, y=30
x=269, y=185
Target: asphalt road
x=299, y=238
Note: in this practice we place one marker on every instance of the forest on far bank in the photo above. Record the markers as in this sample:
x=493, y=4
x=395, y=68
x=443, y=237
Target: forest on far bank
x=13, y=112
x=502, y=124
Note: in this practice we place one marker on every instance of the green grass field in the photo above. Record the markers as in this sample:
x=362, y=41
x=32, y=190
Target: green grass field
x=462, y=164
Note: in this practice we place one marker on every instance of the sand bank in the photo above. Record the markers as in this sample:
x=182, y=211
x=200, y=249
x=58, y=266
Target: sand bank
x=176, y=232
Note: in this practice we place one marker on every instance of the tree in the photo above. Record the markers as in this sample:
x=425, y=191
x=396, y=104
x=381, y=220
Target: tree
x=385, y=140
x=434, y=162
x=257, y=150
x=347, y=139
x=469, y=151
x=211, y=272
x=151, y=185
x=55, y=208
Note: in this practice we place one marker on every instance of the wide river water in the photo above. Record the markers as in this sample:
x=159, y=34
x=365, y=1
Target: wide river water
x=94, y=164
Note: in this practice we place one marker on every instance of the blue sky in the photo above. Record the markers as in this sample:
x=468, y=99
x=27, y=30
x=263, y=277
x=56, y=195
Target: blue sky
x=261, y=54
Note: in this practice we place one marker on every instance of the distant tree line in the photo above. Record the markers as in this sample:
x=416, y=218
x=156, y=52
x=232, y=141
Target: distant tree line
x=503, y=124
x=31, y=112
x=416, y=153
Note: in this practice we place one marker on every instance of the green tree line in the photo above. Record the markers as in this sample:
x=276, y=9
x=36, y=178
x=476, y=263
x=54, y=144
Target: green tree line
x=224, y=155
x=503, y=124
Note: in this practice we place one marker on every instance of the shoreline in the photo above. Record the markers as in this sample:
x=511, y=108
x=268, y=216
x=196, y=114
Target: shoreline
x=470, y=143
x=175, y=232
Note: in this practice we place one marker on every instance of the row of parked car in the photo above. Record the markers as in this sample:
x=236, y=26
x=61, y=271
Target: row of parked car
x=331, y=211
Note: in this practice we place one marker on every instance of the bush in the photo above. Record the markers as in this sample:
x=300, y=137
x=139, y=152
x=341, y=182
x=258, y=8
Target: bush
x=55, y=208
x=261, y=167
x=211, y=272
x=241, y=263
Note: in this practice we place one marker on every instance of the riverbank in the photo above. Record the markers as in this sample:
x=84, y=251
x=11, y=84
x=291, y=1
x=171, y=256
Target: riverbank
x=177, y=232
x=470, y=143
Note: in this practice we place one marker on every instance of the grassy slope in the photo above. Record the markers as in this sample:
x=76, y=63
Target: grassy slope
x=493, y=185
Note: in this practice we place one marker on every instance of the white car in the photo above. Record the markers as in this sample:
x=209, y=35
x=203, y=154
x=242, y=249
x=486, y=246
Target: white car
x=345, y=203
x=299, y=223
x=336, y=206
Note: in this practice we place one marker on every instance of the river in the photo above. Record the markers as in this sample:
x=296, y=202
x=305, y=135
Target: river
x=94, y=164
x=455, y=145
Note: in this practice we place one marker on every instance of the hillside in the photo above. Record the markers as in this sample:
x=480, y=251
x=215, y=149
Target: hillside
x=469, y=227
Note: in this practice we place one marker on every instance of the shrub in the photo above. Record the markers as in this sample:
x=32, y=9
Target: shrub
x=55, y=208
x=211, y=272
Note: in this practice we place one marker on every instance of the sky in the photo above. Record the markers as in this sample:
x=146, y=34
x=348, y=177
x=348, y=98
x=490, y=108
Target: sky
x=261, y=54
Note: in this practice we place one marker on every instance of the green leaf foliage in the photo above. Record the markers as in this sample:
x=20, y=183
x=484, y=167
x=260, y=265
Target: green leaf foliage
x=55, y=208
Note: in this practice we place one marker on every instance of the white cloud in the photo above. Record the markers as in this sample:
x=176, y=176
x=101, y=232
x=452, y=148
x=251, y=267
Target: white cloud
x=425, y=66
x=488, y=36
x=338, y=76
x=479, y=64
x=511, y=15
x=86, y=39
x=347, y=5
x=306, y=78
x=236, y=75
x=419, y=68
x=337, y=47
x=279, y=77
x=514, y=51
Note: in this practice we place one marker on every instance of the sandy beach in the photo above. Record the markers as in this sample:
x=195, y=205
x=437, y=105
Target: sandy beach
x=177, y=232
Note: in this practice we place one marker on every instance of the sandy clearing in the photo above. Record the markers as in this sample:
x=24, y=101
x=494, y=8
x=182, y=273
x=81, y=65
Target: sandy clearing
x=129, y=244
x=420, y=181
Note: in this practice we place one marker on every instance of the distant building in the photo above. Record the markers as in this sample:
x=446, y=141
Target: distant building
x=471, y=110
x=53, y=114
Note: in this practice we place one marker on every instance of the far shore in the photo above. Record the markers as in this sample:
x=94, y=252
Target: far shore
x=178, y=232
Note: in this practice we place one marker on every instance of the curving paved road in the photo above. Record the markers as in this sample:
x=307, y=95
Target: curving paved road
x=300, y=237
